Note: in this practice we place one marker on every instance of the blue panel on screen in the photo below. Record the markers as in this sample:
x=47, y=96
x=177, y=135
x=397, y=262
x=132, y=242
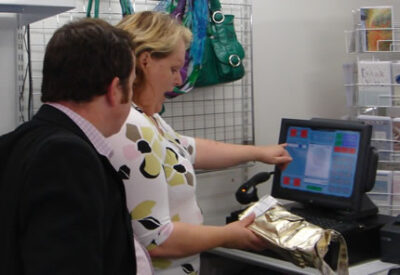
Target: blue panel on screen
x=324, y=161
x=333, y=163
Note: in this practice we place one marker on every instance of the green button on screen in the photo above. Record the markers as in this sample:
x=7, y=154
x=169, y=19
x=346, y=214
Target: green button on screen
x=314, y=188
x=339, y=139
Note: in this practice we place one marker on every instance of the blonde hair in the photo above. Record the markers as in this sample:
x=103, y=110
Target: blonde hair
x=155, y=32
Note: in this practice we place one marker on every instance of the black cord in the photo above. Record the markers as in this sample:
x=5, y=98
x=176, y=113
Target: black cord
x=22, y=91
x=21, y=97
x=30, y=94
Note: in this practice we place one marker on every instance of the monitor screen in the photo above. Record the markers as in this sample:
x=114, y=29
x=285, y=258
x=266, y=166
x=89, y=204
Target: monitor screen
x=330, y=160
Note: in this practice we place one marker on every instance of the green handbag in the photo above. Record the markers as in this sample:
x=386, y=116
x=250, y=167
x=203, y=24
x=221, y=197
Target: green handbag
x=223, y=54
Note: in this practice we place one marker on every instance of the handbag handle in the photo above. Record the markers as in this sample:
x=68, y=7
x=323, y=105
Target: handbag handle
x=96, y=8
x=215, y=12
x=126, y=7
x=179, y=11
x=215, y=5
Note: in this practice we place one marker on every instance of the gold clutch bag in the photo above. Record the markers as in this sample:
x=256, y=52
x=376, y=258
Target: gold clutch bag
x=297, y=240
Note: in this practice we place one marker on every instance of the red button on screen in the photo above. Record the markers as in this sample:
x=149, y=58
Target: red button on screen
x=286, y=180
x=338, y=149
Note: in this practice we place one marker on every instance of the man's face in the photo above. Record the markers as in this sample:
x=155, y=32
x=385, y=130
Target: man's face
x=126, y=99
x=126, y=93
x=128, y=87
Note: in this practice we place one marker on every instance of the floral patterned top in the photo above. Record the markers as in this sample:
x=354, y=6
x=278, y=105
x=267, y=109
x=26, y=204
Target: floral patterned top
x=157, y=168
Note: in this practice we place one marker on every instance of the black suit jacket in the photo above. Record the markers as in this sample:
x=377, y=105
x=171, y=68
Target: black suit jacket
x=62, y=205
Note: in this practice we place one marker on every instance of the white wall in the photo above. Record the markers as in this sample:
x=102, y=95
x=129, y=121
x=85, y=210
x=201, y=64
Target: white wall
x=8, y=54
x=299, y=49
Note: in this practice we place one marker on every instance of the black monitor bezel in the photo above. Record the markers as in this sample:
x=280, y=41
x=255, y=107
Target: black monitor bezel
x=352, y=203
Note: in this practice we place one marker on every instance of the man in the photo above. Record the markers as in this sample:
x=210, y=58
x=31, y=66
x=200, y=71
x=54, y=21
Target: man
x=62, y=205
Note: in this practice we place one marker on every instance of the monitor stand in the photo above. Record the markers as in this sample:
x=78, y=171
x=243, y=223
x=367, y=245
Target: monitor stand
x=367, y=209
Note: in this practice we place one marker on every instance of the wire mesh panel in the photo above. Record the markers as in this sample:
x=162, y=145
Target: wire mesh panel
x=221, y=112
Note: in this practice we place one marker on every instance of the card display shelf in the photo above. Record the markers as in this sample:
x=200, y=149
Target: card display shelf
x=354, y=44
x=372, y=87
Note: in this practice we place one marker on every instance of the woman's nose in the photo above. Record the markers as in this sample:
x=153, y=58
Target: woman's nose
x=178, y=79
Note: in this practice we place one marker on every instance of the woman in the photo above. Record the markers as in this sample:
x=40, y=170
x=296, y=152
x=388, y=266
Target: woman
x=158, y=163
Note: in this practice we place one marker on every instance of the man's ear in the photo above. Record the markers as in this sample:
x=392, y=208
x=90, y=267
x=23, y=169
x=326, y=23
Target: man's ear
x=114, y=92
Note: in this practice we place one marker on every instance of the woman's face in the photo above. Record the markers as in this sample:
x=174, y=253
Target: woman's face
x=162, y=75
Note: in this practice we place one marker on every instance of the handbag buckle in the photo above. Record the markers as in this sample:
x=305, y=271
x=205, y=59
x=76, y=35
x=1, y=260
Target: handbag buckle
x=234, y=60
x=215, y=19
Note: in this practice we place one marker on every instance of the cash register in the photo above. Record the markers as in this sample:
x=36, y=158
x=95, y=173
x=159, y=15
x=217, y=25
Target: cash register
x=333, y=167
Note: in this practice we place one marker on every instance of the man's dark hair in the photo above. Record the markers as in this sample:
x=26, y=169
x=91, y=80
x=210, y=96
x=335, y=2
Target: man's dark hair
x=82, y=58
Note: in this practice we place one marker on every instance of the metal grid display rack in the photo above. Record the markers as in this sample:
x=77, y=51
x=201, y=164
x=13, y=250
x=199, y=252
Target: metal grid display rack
x=221, y=112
